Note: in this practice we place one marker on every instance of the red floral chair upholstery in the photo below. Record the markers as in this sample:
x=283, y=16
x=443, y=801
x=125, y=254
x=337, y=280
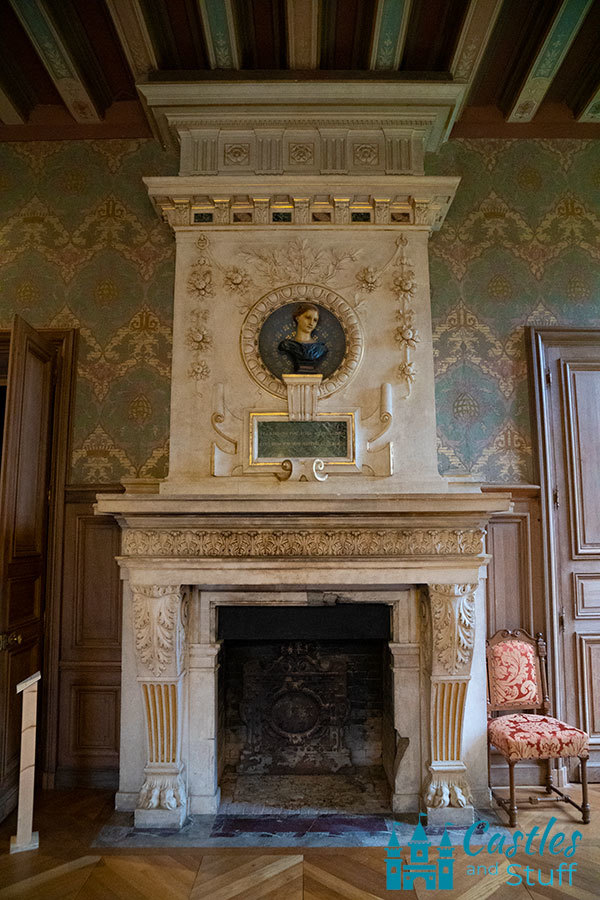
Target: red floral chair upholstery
x=517, y=681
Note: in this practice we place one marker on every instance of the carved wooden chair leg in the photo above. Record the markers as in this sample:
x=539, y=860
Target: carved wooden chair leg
x=512, y=811
x=585, y=806
x=549, y=780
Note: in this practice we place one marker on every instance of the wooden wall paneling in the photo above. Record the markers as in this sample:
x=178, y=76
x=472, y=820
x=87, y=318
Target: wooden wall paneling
x=90, y=707
x=515, y=589
x=91, y=622
x=90, y=645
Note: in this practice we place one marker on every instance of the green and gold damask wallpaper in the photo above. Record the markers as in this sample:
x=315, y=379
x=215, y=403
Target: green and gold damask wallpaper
x=80, y=246
x=520, y=246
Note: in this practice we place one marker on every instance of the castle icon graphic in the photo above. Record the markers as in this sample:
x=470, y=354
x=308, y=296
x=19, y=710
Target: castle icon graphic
x=401, y=875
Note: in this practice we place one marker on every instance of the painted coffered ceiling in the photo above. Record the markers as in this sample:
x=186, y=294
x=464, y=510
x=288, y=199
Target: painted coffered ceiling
x=71, y=68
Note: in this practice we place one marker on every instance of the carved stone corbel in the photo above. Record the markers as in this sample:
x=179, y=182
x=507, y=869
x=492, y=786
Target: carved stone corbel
x=453, y=625
x=159, y=616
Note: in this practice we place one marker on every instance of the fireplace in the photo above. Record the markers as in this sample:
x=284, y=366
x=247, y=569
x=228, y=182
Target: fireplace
x=297, y=489
x=296, y=696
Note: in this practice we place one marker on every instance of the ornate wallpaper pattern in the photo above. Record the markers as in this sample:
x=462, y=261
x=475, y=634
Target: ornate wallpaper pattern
x=80, y=245
x=520, y=246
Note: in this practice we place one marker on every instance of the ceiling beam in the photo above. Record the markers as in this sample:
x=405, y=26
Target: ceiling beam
x=473, y=39
x=131, y=27
x=9, y=114
x=389, y=34
x=56, y=58
x=591, y=111
x=220, y=33
x=562, y=33
x=303, y=18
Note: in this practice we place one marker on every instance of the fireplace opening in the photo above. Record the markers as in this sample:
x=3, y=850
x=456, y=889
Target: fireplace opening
x=305, y=718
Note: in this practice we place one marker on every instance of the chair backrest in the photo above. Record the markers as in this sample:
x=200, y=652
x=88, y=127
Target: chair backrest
x=516, y=672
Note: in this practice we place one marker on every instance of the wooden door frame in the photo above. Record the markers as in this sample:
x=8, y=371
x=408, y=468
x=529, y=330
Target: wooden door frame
x=538, y=338
x=65, y=342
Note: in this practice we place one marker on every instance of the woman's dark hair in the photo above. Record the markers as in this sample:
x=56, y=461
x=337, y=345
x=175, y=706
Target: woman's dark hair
x=302, y=308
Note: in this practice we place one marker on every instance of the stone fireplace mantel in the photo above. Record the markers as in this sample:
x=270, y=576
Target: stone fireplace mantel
x=184, y=557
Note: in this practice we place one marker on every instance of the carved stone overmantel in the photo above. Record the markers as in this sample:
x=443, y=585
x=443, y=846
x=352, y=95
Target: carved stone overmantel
x=293, y=194
x=159, y=618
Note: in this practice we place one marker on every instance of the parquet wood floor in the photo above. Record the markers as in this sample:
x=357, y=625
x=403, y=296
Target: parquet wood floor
x=66, y=867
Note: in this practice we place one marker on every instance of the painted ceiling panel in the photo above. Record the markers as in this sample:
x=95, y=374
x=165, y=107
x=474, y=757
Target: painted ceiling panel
x=262, y=30
x=346, y=31
x=519, y=31
x=25, y=72
x=579, y=75
x=191, y=39
x=433, y=30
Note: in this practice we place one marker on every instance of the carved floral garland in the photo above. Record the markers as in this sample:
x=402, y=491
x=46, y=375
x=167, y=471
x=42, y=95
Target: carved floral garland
x=406, y=334
x=198, y=337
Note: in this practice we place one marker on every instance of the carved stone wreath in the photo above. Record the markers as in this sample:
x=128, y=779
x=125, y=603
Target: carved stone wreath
x=311, y=293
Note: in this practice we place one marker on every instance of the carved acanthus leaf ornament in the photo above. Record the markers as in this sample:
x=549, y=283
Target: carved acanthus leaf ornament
x=453, y=614
x=356, y=542
x=158, y=621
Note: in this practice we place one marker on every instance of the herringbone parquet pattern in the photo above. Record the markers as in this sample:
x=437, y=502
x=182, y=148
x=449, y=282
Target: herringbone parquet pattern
x=66, y=868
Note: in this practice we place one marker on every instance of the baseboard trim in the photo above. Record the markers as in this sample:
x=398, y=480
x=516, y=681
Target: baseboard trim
x=529, y=773
x=9, y=803
x=87, y=778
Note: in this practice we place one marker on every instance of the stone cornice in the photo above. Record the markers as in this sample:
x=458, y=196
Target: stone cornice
x=426, y=109
x=314, y=200
x=448, y=509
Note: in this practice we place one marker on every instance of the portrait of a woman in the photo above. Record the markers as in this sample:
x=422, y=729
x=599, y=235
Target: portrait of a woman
x=301, y=348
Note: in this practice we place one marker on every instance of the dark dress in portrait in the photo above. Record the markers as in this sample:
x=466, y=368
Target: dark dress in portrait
x=305, y=356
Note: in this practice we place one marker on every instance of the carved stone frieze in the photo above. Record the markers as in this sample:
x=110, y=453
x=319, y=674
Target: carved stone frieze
x=159, y=618
x=453, y=614
x=334, y=543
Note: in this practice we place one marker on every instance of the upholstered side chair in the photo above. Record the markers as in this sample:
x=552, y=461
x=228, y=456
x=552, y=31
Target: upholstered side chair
x=516, y=672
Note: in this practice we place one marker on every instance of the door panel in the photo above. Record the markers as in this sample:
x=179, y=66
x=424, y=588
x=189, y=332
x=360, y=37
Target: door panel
x=582, y=393
x=589, y=660
x=568, y=406
x=24, y=488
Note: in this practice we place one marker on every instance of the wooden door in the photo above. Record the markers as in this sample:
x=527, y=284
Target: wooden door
x=568, y=391
x=24, y=477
